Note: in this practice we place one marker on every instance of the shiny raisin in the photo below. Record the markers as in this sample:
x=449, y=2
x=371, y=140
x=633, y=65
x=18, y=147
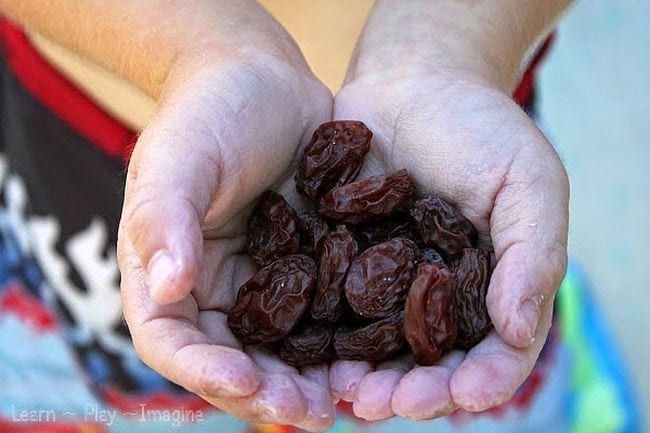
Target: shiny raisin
x=333, y=158
x=273, y=300
x=339, y=248
x=470, y=280
x=379, y=278
x=367, y=199
x=429, y=314
x=375, y=342
x=442, y=226
x=272, y=229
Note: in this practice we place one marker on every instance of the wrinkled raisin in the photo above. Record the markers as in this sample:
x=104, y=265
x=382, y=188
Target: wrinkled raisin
x=367, y=199
x=470, y=280
x=375, y=342
x=310, y=344
x=339, y=248
x=272, y=229
x=429, y=315
x=379, y=278
x=333, y=158
x=441, y=226
x=273, y=300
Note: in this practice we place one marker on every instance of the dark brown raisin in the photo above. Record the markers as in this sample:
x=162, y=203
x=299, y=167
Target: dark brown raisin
x=368, y=199
x=379, y=278
x=272, y=229
x=333, y=158
x=273, y=300
x=339, y=248
x=375, y=342
x=470, y=280
x=442, y=226
x=310, y=344
x=429, y=315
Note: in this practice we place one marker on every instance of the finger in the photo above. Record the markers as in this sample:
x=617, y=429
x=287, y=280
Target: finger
x=423, y=393
x=320, y=408
x=373, y=399
x=319, y=374
x=186, y=356
x=372, y=402
x=529, y=232
x=270, y=362
x=167, y=340
x=317, y=398
x=345, y=377
x=278, y=400
x=493, y=370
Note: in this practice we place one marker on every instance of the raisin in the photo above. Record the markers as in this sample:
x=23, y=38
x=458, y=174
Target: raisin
x=273, y=300
x=470, y=280
x=375, y=342
x=379, y=278
x=397, y=225
x=272, y=229
x=429, y=314
x=333, y=158
x=442, y=226
x=367, y=199
x=311, y=344
x=339, y=248
x=312, y=228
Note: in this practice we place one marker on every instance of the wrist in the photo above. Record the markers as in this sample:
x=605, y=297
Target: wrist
x=486, y=42
x=262, y=46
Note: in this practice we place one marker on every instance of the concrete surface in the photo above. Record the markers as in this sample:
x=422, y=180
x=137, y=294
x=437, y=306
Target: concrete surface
x=595, y=104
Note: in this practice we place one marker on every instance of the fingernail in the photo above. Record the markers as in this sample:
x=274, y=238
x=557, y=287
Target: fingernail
x=529, y=311
x=161, y=270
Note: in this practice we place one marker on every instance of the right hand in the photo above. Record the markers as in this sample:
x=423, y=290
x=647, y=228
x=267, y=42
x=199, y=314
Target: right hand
x=226, y=131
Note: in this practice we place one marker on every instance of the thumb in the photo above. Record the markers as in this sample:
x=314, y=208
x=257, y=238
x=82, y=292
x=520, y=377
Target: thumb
x=171, y=179
x=529, y=233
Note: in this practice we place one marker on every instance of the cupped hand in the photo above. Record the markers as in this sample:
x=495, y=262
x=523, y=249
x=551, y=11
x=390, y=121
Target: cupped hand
x=226, y=131
x=465, y=140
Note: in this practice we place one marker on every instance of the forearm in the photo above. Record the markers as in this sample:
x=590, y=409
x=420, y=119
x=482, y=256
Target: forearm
x=142, y=40
x=489, y=39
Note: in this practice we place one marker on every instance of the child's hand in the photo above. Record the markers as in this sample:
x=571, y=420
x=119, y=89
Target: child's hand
x=469, y=142
x=226, y=131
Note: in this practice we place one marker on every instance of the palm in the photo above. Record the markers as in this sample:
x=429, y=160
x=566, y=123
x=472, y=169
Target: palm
x=474, y=146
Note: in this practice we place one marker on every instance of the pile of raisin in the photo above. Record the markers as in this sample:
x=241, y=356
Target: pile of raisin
x=374, y=271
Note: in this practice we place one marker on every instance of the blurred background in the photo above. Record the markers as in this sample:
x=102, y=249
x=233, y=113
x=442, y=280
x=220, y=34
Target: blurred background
x=595, y=107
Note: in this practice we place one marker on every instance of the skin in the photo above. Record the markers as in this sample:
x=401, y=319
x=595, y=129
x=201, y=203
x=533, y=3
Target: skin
x=237, y=102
